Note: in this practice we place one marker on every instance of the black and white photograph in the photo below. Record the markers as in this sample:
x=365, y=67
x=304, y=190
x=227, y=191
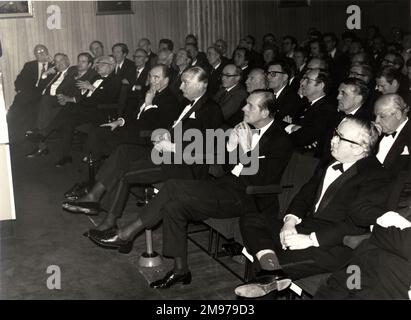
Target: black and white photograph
x=205, y=154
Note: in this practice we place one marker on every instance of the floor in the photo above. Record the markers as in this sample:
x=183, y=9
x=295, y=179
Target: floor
x=44, y=235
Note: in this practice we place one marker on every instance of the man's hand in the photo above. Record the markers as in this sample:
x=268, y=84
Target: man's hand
x=150, y=95
x=85, y=85
x=165, y=146
x=288, y=229
x=298, y=241
x=124, y=81
x=113, y=125
x=288, y=119
x=62, y=99
x=245, y=136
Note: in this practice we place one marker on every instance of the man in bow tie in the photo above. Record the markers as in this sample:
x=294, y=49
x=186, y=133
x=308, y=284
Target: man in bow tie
x=391, y=118
x=342, y=198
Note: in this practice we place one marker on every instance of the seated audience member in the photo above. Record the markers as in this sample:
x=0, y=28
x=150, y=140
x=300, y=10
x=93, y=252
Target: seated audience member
x=319, y=117
x=182, y=201
x=385, y=258
x=241, y=58
x=231, y=97
x=196, y=60
x=289, y=44
x=145, y=44
x=390, y=80
x=347, y=38
x=289, y=104
x=269, y=39
x=256, y=80
x=362, y=58
x=97, y=49
x=130, y=165
x=104, y=89
x=138, y=87
x=378, y=48
x=182, y=63
x=406, y=51
x=393, y=59
x=317, y=49
x=270, y=53
x=339, y=62
x=216, y=68
x=256, y=59
x=363, y=72
x=165, y=44
x=344, y=197
x=356, y=46
x=300, y=59
x=221, y=45
x=28, y=90
x=166, y=56
x=60, y=89
x=391, y=116
x=192, y=39
x=125, y=69
x=158, y=110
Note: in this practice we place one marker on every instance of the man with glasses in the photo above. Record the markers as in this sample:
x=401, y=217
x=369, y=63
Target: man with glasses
x=231, y=97
x=289, y=103
x=391, y=114
x=343, y=197
x=319, y=117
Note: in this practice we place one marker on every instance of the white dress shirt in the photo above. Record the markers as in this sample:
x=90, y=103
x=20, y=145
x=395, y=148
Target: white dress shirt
x=40, y=68
x=185, y=111
x=387, y=142
x=56, y=83
x=96, y=84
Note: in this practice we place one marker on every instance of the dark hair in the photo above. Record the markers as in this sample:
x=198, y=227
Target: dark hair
x=291, y=38
x=87, y=55
x=190, y=35
x=247, y=53
x=95, y=41
x=123, y=47
x=216, y=49
x=332, y=35
x=268, y=102
x=141, y=50
x=194, y=45
x=325, y=78
x=169, y=43
x=360, y=86
x=390, y=74
x=199, y=72
x=285, y=66
x=165, y=70
x=252, y=39
x=269, y=35
x=398, y=59
x=348, y=35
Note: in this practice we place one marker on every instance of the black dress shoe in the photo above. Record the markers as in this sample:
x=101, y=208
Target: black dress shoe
x=88, y=208
x=63, y=161
x=109, y=239
x=170, y=279
x=265, y=283
x=77, y=191
x=37, y=153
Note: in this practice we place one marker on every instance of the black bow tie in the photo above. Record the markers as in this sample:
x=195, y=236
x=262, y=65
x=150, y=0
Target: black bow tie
x=338, y=166
x=390, y=134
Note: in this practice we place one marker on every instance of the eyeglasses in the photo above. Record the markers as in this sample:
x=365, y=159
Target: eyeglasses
x=229, y=75
x=356, y=74
x=388, y=61
x=308, y=79
x=273, y=73
x=337, y=134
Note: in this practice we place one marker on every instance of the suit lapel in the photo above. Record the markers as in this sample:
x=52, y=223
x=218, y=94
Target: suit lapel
x=398, y=145
x=195, y=108
x=332, y=190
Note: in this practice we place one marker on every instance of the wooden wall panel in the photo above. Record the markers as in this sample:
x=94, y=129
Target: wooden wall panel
x=80, y=25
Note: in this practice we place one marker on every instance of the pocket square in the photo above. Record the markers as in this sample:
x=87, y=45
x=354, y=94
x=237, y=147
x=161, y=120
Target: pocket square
x=405, y=152
x=192, y=116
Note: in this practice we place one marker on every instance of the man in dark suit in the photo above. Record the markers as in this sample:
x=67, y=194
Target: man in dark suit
x=128, y=166
x=241, y=57
x=104, y=89
x=339, y=62
x=179, y=202
x=138, y=87
x=344, y=197
x=384, y=260
x=231, y=97
x=391, y=114
x=256, y=80
x=60, y=89
x=22, y=112
x=216, y=68
x=96, y=48
x=158, y=110
x=289, y=103
x=182, y=63
x=145, y=44
x=196, y=59
x=125, y=69
x=319, y=117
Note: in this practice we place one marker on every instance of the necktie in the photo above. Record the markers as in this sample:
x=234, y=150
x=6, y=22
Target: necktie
x=43, y=69
x=137, y=74
x=47, y=89
x=390, y=134
x=338, y=166
x=117, y=68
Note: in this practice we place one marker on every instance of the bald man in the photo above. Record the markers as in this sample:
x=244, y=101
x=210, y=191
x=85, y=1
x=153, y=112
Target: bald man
x=391, y=116
x=231, y=97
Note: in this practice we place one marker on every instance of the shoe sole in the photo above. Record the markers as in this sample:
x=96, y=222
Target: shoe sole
x=256, y=290
x=123, y=250
x=76, y=210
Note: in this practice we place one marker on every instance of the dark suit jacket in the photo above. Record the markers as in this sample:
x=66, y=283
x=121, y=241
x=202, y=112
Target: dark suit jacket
x=27, y=78
x=127, y=71
x=394, y=161
x=289, y=103
x=205, y=114
x=106, y=93
x=152, y=60
x=136, y=93
x=231, y=102
x=349, y=206
x=274, y=152
x=201, y=62
x=315, y=122
x=162, y=116
x=214, y=80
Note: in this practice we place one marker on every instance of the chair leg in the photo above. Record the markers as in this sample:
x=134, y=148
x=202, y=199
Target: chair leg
x=210, y=241
x=217, y=244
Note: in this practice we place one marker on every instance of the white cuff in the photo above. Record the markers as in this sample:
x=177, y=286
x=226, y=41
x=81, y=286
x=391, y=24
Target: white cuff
x=289, y=128
x=294, y=216
x=260, y=253
x=314, y=239
x=123, y=122
x=230, y=147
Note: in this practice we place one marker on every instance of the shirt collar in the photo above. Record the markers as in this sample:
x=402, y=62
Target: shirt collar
x=332, y=53
x=279, y=92
x=355, y=110
x=229, y=89
x=400, y=127
x=315, y=100
x=265, y=128
x=216, y=67
x=346, y=165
